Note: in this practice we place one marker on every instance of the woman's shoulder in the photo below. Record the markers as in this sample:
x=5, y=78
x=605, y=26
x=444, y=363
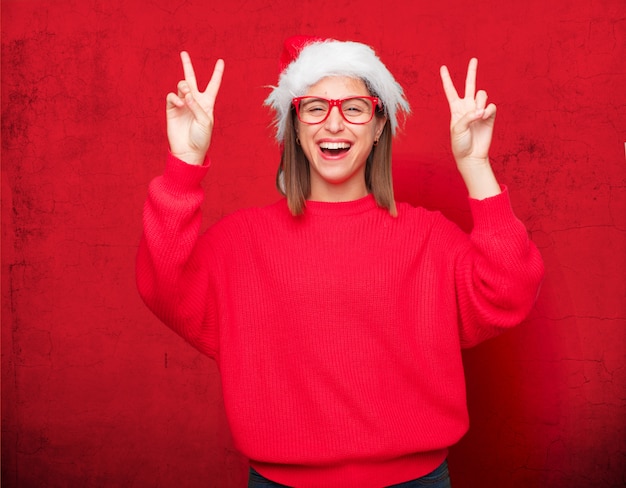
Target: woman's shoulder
x=430, y=221
x=272, y=210
x=412, y=213
x=250, y=218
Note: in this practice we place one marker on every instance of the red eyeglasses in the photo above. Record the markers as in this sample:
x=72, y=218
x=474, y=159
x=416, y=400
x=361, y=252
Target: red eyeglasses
x=355, y=110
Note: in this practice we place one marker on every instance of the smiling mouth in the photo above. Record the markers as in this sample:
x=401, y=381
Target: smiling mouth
x=334, y=148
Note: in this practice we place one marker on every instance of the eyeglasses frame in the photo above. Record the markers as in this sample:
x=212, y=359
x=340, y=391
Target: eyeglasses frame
x=336, y=103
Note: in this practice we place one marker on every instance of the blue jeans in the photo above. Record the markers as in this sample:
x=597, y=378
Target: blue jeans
x=439, y=478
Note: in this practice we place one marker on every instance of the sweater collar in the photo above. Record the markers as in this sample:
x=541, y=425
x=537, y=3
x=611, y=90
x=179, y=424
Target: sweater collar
x=352, y=207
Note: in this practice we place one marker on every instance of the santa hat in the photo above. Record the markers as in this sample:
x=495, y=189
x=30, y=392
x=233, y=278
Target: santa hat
x=306, y=60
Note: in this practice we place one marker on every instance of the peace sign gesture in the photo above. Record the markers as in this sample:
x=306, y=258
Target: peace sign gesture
x=190, y=113
x=471, y=119
x=471, y=130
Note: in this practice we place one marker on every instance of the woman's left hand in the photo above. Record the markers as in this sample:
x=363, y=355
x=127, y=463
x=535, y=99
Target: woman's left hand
x=471, y=119
x=471, y=129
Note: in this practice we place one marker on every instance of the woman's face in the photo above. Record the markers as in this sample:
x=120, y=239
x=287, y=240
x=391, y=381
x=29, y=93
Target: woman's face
x=337, y=150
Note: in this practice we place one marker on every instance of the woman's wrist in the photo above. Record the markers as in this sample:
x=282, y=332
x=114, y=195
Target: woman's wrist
x=479, y=179
x=192, y=158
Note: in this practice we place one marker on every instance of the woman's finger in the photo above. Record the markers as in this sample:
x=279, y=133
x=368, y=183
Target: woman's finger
x=183, y=88
x=448, y=86
x=172, y=100
x=198, y=112
x=213, y=86
x=470, y=80
x=481, y=99
x=190, y=75
x=462, y=125
x=490, y=111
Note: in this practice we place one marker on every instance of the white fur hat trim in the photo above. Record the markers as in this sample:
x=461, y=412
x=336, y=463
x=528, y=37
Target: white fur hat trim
x=336, y=58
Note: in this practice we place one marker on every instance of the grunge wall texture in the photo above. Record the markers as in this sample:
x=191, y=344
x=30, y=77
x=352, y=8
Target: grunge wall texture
x=97, y=393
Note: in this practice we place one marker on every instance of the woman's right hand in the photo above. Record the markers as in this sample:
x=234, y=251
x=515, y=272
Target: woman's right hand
x=190, y=114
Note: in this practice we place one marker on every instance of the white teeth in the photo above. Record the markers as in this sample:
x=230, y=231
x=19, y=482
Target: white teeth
x=334, y=145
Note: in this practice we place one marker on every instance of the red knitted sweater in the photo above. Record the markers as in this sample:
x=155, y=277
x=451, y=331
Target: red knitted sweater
x=337, y=333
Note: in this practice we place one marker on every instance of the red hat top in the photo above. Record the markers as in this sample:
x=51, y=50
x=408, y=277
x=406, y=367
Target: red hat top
x=292, y=47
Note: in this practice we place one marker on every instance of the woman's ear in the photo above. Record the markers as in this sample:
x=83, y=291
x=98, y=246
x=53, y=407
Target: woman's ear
x=380, y=126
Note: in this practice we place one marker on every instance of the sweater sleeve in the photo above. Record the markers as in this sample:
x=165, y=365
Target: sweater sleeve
x=499, y=274
x=171, y=267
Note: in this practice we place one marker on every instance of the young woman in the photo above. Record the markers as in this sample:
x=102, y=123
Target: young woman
x=336, y=315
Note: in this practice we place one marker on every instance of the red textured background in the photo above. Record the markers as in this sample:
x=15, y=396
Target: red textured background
x=97, y=393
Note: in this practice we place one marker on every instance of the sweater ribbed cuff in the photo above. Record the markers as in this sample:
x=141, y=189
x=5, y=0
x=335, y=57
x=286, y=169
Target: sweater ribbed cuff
x=493, y=213
x=180, y=178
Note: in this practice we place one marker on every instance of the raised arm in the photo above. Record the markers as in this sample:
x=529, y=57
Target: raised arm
x=497, y=279
x=172, y=261
x=190, y=113
x=471, y=130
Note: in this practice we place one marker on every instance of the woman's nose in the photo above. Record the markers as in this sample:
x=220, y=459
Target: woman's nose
x=334, y=122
